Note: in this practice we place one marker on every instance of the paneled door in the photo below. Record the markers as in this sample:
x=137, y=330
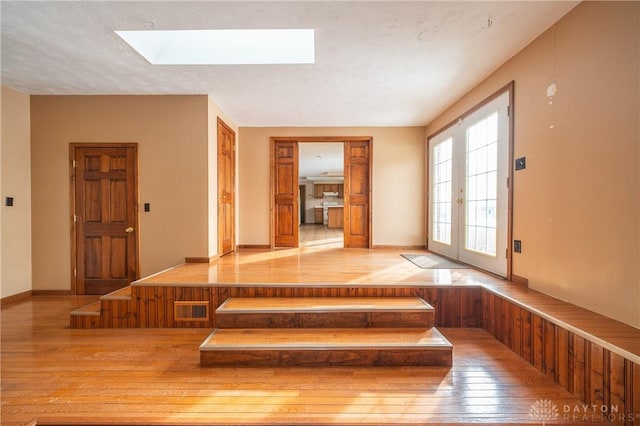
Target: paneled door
x=285, y=193
x=226, y=188
x=468, y=180
x=104, y=217
x=357, y=185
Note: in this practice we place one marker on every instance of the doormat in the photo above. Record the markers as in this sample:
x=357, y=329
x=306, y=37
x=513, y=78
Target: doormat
x=432, y=261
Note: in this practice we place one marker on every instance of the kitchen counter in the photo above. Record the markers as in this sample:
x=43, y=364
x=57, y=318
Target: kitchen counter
x=336, y=216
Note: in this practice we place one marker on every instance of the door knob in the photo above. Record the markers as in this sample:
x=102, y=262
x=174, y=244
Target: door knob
x=129, y=230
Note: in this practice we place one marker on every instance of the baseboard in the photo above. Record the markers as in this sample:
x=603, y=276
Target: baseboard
x=200, y=259
x=15, y=298
x=519, y=280
x=254, y=246
x=51, y=293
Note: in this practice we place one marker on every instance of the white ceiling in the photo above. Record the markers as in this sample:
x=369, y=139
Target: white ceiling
x=382, y=63
x=318, y=158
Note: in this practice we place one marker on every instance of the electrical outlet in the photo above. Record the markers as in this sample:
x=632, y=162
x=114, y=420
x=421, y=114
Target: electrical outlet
x=147, y=207
x=9, y=202
x=517, y=246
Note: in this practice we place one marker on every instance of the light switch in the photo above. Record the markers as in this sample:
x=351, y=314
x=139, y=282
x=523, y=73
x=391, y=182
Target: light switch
x=521, y=163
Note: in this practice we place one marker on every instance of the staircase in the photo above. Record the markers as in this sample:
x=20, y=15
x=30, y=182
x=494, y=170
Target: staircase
x=319, y=331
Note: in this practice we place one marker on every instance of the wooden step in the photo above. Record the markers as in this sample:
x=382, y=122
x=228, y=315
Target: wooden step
x=90, y=309
x=333, y=312
x=123, y=293
x=87, y=316
x=325, y=346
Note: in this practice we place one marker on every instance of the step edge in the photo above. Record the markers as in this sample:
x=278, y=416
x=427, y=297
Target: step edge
x=444, y=344
x=319, y=311
x=87, y=311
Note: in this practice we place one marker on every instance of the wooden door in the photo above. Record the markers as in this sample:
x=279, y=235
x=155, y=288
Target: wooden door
x=105, y=217
x=285, y=196
x=226, y=188
x=357, y=185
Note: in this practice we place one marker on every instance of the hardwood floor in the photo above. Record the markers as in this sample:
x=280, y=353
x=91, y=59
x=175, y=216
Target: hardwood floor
x=152, y=376
x=316, y=234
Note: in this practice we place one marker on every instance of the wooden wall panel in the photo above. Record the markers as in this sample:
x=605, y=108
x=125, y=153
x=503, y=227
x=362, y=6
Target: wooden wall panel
x=596, y=361
x=537, y=342
x=615, y=391
x=525, y=318
x=549, y=360
x=578, y=347
x=448, y=313
x=471, y=307
x=562, y=358
x=632, y=390
x=507, y=324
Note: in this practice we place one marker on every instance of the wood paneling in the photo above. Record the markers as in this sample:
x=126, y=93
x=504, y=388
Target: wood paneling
x=596, y=376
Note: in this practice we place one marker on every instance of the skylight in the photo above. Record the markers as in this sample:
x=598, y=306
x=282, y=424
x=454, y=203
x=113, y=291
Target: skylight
x=223, y=47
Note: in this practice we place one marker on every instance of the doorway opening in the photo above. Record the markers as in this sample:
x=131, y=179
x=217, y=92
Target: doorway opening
x=343, y=201
x=470, y=197
x=321, y=182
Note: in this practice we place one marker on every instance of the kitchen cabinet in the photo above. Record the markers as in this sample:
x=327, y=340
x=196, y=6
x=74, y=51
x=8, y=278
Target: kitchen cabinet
x=336, y=217
x=317, y=215
x=319, y=188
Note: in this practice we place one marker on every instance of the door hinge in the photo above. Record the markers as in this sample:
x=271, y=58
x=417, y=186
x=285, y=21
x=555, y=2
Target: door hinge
x=75, y=272
x=507, y=182
x=506, y=253
x=75, y=218
x=508, y=111
x=73, y=163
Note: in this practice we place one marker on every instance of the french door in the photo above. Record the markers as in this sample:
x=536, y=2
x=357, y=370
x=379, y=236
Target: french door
x=468, y=188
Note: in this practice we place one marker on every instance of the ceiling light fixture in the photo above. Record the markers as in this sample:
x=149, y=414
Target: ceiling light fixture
x=223, y=47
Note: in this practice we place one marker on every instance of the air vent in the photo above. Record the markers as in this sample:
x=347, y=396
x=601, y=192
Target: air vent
x=191, y=311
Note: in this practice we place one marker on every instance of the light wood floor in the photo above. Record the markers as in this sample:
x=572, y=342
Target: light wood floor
x=312, y=234
x=153, y=376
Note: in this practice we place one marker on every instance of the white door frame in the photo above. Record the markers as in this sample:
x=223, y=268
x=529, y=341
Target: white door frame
x=506, y=95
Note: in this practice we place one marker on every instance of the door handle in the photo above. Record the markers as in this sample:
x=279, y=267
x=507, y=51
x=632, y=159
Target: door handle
x=129, y=230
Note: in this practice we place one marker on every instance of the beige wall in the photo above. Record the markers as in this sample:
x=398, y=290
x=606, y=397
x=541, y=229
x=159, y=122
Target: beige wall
x=398, y=184
x=15, y=228
x=172, y=137
x=577, y=204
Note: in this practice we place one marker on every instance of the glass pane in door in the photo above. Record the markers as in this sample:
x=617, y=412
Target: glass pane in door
x=441, y=189
x=481, y=186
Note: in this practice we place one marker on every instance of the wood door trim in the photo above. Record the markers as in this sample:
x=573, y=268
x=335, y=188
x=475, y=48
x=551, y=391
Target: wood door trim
x=72, y=203
x=303, y=139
